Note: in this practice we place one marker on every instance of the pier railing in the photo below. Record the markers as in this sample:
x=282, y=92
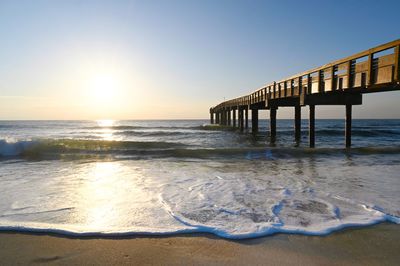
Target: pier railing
x=337, y=83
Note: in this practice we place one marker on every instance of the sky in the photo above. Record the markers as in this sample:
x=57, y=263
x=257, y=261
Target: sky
x=176, y=59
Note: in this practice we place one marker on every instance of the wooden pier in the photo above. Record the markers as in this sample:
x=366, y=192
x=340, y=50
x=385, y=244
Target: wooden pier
x=341, y=82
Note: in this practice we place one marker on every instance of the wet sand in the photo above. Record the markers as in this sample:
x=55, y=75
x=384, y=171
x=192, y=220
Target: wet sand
x=374, y=245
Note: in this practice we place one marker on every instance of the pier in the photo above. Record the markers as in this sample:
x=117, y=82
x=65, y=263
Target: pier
x=342, y=82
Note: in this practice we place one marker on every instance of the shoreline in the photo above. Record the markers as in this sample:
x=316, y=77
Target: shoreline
x=61, y=233
x=372, y=245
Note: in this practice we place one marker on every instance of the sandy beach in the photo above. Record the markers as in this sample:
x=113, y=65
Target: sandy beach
x=375, y=245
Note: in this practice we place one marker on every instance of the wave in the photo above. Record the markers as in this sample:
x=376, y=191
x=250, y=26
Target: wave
x=285, y=131
x=160, y=133
x=123, y=127
x=359, y=132
x=200, y=127
x=340, y=132
x=46, y=148
x=53, y=149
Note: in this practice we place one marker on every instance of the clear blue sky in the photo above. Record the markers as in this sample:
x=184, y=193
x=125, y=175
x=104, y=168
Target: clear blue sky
x=175, y=59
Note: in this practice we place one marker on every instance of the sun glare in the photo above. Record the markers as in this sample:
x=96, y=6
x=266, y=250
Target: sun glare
x=103, y=88
x=104, y=93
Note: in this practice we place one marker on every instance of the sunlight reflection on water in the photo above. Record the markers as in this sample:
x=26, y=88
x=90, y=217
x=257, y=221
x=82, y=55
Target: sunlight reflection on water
x=104, y=193
x=105, y=122
x=106, y=131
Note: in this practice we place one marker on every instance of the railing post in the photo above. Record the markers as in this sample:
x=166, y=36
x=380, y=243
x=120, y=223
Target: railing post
x=333, y=78
x=284, y=89
x=299, y=85
x=279, y=90
x=302, y=92
x=292, y=88
x=269, y=93
x=266, y=93
x=370, y=73
x=397, y=63
x=321, y=81
x=350, y=64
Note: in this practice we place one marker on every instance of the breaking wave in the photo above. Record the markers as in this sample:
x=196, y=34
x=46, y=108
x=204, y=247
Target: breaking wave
x=53, y=149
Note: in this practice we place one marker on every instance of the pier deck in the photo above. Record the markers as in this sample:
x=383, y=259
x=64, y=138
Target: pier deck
x=341, y=82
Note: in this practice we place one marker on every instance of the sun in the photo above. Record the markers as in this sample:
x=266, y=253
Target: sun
x=103, y=88
x=104, y=92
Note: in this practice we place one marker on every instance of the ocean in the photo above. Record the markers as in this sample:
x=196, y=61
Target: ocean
x=185, y=176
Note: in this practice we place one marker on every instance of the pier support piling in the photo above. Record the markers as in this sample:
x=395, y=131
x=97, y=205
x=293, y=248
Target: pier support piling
x=246, y=117
x=348, y=125
x=272, y=124
x=311, y=129
x=234, y=117
x=228, y=112
x=241, y=122
x=254, y=120
x=297, y=123
x=211, y=117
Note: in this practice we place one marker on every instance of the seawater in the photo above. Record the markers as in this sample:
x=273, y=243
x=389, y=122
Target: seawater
x=168, y=177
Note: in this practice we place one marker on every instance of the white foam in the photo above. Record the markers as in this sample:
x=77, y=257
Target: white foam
x=232, y=199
